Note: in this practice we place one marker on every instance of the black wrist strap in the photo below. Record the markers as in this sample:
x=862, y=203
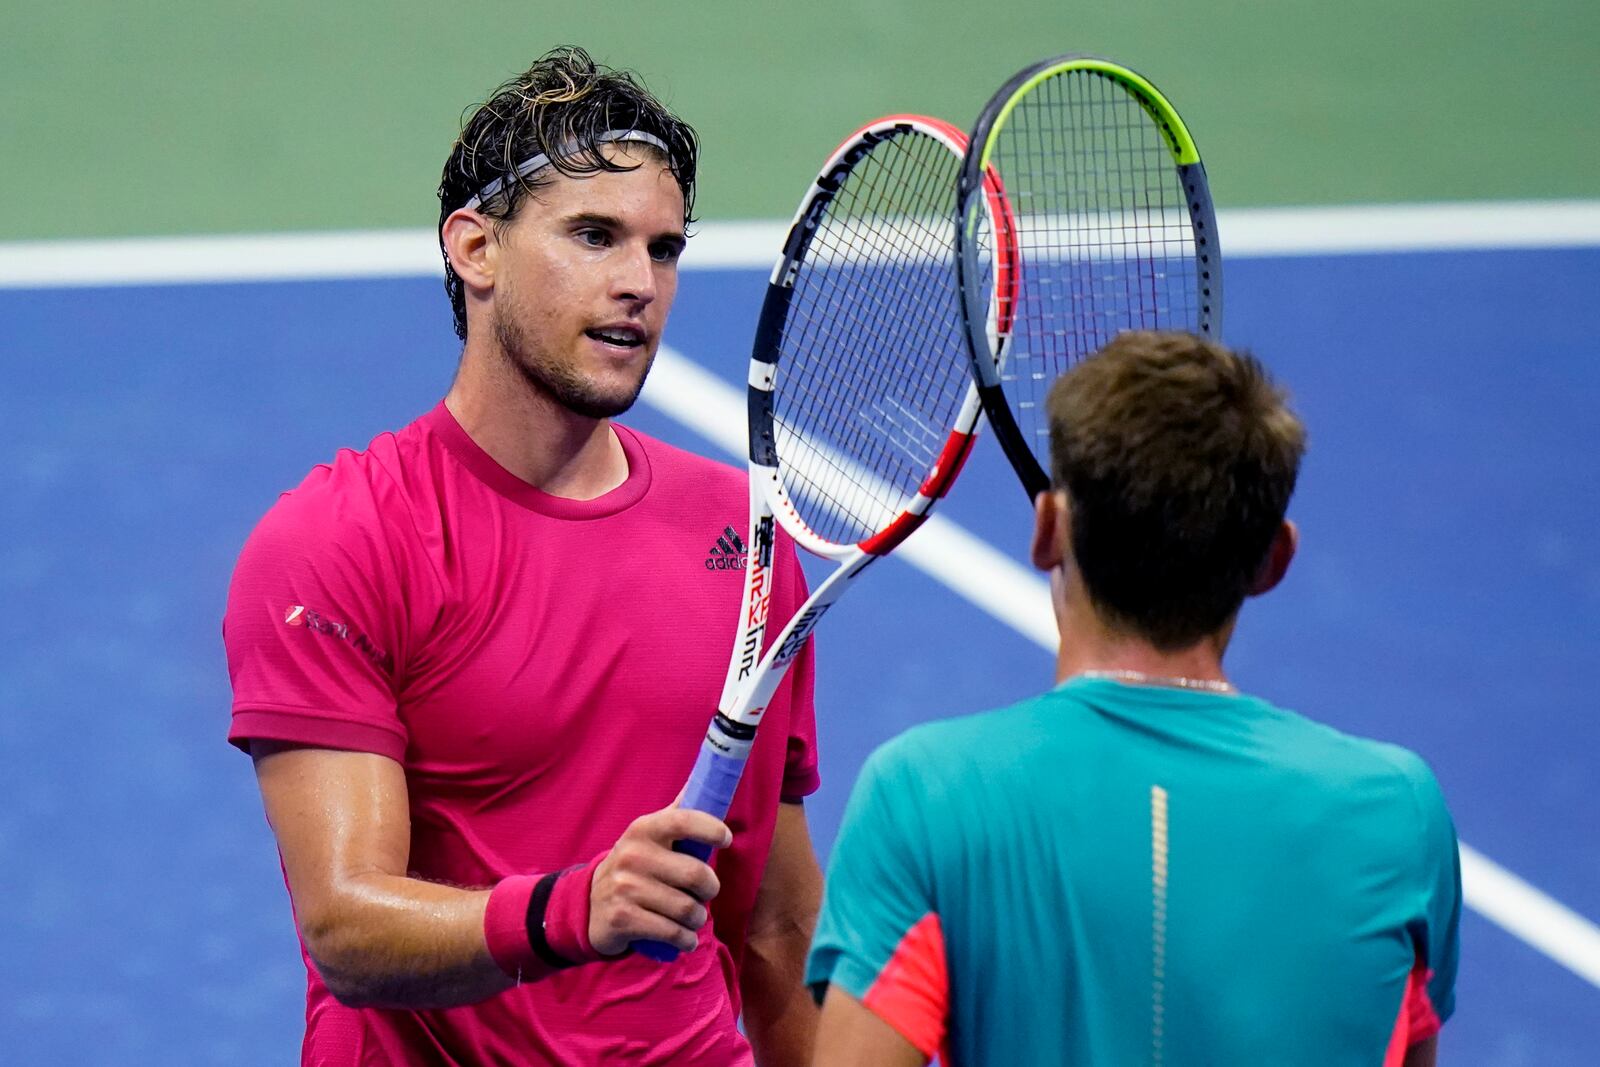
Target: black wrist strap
x=537, y=905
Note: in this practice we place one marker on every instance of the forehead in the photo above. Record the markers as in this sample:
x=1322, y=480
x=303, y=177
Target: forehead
x=645, y=195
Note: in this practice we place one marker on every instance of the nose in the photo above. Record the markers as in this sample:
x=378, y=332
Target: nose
x=633, y=278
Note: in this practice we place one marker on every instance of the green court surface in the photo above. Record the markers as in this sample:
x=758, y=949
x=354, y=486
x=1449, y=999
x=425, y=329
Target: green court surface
x=189, y=117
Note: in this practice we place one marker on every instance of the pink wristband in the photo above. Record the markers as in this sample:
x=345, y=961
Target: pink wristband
x=566, y=917
x=505, y=926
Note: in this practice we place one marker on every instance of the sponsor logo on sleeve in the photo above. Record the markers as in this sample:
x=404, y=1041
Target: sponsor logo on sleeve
x=298, y=615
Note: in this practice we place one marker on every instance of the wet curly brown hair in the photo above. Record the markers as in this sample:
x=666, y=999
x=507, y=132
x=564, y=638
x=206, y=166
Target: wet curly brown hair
x=561, y=106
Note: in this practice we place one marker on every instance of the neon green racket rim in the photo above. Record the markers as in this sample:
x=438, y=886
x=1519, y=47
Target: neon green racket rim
x=1172, y=126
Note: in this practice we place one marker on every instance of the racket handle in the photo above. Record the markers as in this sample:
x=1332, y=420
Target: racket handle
x=712, y=783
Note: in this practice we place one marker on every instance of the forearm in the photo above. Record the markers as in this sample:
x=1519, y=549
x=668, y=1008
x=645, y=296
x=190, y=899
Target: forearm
x=780, y=1017
x=377, y=936
x=380, y=938
x=398, y=942
x=852, y=1035
x=403, y=942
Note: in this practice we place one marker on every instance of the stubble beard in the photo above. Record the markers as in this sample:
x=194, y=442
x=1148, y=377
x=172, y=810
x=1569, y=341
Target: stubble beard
x=562, y=383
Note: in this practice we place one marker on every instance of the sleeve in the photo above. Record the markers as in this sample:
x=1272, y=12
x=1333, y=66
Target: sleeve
x=800, y=776
x=1437, y=932
x=879, y=936
x=312, y=630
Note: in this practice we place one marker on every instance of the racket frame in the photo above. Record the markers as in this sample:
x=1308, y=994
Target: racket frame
x=753, y=676
x=747, y=690
x=977, y=172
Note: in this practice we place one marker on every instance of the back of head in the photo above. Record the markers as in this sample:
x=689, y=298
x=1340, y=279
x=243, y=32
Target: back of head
x=1178, y=458
x=564, y=108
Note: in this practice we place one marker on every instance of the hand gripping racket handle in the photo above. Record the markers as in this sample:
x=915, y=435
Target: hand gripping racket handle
x=711, y=786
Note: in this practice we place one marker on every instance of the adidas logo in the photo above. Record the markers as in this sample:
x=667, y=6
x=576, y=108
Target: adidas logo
x=728, y=554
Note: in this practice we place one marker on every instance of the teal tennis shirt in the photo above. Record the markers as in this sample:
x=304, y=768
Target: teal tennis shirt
x=1122, y=874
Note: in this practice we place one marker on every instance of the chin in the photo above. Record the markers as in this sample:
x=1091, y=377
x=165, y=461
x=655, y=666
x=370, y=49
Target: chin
x=596, y=401
x=594, y=407
x=592, y=396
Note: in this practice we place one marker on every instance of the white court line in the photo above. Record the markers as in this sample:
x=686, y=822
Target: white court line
x=414, y=253
x=1529, y=914
x=698, y=399
x=230, y=258
x=1020, y=598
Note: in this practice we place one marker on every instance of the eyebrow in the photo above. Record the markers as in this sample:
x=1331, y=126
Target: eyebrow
x=611, y=222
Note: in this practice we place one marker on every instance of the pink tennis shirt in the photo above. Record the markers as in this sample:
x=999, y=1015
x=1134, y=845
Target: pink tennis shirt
x=544, y=669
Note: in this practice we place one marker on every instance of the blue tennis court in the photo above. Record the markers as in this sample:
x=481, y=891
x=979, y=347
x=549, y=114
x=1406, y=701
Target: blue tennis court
x=1444, y=598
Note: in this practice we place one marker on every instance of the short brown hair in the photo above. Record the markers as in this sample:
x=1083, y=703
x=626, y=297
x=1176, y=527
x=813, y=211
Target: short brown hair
x=1178, y=458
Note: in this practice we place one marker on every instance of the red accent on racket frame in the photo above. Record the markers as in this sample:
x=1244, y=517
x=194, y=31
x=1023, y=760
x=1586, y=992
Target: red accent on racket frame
x=886, y=539
x=957, y=447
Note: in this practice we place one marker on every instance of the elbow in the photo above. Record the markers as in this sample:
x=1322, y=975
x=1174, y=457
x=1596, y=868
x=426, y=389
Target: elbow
x=778, y=944
x=375, y=948
x=342, y=962
x=350, y=993
x=350, y=989
x=780, y=935
x=350, y=985
x=780, y=926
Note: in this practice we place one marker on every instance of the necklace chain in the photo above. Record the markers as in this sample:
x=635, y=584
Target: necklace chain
x=1209, y=685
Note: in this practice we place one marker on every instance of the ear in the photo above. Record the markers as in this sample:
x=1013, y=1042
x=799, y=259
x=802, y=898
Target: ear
x=470, y=244
x=1276, y=565
x=1049, y=530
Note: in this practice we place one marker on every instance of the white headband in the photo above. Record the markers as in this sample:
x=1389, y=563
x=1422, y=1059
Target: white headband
x=541, y=161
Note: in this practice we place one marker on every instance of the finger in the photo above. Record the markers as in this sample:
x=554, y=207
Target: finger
x=638, y=863
x=640, y=924
x=690, y=876
x=657, y=912
x=671, y=903
x=678, y=824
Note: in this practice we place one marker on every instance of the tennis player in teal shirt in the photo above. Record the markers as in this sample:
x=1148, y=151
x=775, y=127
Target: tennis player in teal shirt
x=1145, y=865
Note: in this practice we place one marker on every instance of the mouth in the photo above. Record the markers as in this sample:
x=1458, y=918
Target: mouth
x=622, y=337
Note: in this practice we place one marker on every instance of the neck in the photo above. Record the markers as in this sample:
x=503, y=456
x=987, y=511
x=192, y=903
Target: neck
x=531, y=435
x=1090, y=644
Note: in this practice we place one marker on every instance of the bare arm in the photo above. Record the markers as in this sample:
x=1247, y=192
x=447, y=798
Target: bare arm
x=780, y=1017
x=382, y=939
x=378, y=938
x=850, y=1035
x=1423, y=1053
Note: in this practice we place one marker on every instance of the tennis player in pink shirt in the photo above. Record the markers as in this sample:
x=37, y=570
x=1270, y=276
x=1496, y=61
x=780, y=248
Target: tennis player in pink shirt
x=473, y=663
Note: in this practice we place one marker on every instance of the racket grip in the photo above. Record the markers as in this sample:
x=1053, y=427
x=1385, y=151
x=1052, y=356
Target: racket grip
x=711, y=786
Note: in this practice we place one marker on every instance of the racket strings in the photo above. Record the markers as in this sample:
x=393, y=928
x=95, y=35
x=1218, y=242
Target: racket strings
x=1104, y=228
x=871, y=374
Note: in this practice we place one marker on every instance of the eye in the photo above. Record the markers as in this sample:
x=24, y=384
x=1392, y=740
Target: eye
x=594, y=237
x=666, y=251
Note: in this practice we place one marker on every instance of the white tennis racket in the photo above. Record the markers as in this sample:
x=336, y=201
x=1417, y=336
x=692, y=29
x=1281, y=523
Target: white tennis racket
x=861, y=407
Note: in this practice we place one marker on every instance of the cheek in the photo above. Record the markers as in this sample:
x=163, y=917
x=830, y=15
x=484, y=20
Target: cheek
x=546, y=294
x=556, y=277
x=666, y=290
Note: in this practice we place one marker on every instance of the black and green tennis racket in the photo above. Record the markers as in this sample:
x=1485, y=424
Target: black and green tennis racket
x=1115, y=231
